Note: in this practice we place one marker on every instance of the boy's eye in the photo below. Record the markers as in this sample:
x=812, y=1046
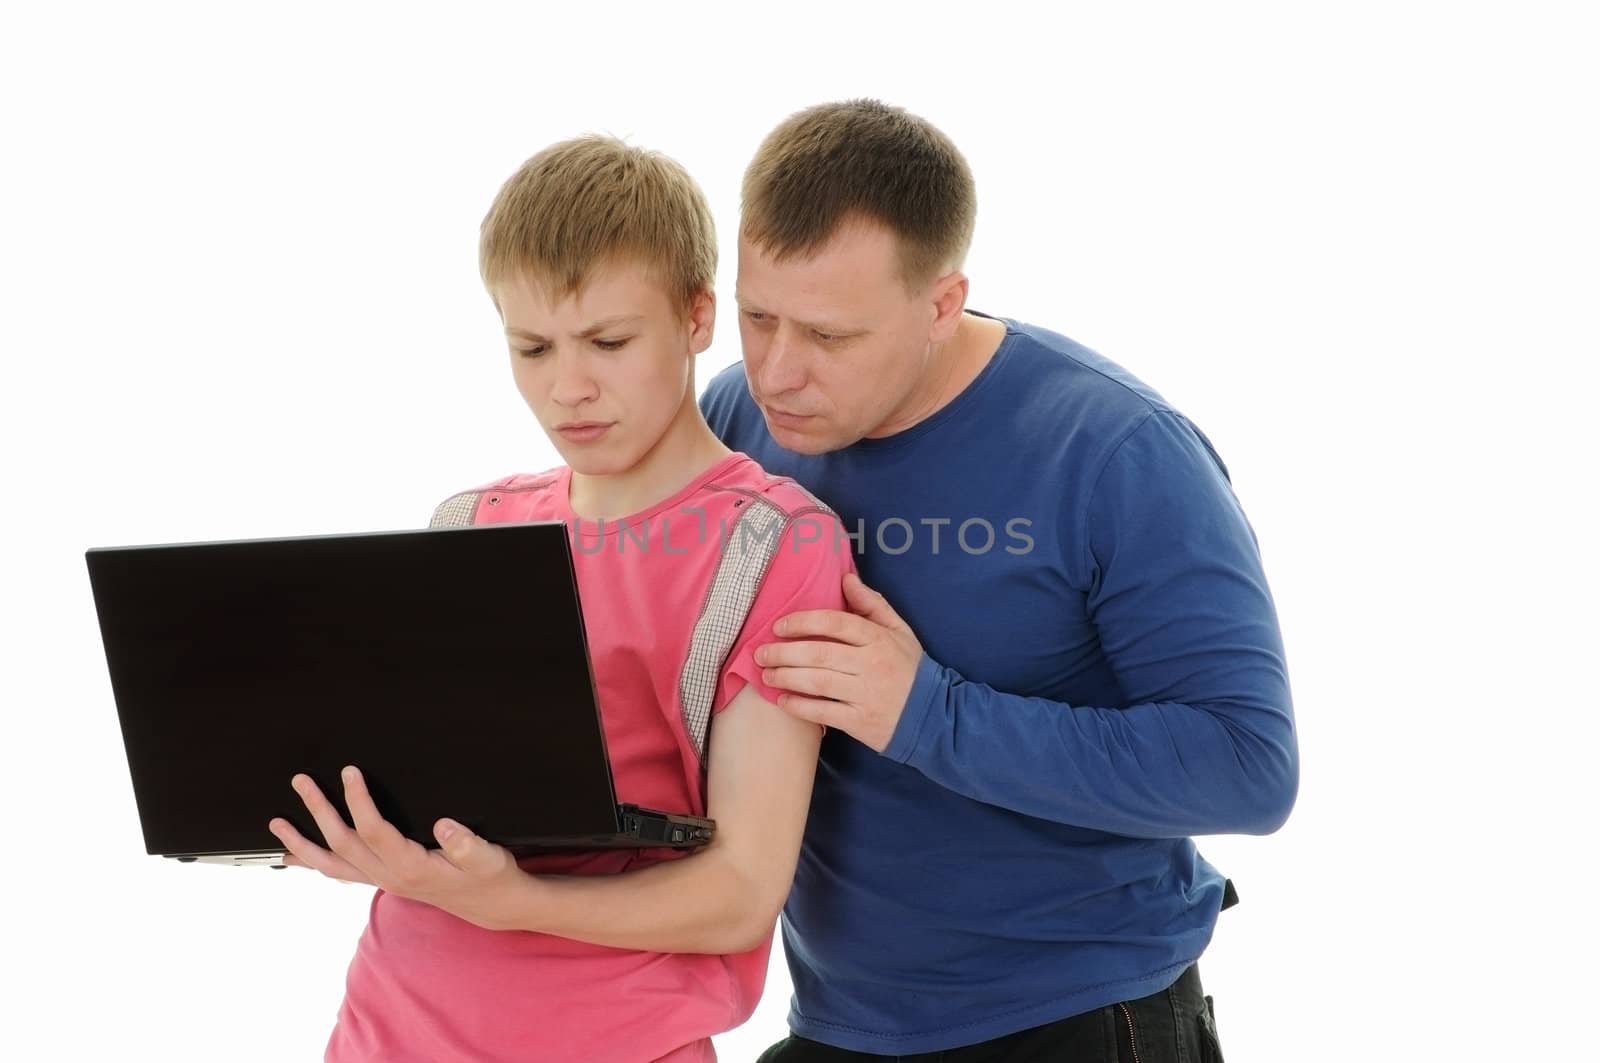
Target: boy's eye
x=755, y=315
x=531, y=352
x=613, y=345
x=826, y=337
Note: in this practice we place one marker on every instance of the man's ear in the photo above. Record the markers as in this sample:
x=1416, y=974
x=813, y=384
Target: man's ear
x=702, y=319
x=949, y=294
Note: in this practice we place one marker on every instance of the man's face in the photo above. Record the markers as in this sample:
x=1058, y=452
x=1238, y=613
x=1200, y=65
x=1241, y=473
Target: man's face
x=835, y=348
x=605, y=371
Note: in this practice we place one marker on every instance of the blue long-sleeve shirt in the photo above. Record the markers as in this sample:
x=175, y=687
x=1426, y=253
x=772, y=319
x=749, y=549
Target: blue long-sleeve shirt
x=1103, y=679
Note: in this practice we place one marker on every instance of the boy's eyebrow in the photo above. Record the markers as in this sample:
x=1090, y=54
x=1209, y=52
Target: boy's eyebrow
x=610, y=322
x=593, y=330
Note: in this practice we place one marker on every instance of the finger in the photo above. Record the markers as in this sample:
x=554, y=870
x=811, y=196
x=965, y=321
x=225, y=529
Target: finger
x=468, y=852
x=338, y=835
x=814, y=681
x=303, y=852
x=867, y=602
x=813, y=710
x=290, y=860
x=833, y=656
x=826, y=623
x=381, y=836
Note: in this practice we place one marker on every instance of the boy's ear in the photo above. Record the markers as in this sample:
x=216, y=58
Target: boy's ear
x=702, y=320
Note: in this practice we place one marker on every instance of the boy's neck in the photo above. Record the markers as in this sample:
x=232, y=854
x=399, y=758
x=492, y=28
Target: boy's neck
x=687, y=449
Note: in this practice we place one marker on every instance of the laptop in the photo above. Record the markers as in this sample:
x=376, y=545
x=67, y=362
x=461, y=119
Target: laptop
x=450, y=665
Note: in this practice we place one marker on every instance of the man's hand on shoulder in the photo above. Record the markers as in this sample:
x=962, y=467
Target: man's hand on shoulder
x=858, y=680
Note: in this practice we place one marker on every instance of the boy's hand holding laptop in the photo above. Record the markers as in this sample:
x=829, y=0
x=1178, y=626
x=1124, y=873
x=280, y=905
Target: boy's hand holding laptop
x=467, y=876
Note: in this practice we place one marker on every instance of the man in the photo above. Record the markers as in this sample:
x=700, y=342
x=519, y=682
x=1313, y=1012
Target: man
x=1063, y=662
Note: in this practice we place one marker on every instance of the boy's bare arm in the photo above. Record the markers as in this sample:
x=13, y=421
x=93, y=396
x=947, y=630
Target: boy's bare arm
x=725, y=897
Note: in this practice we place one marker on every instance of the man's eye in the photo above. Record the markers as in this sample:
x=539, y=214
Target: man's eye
x=755, y=315
x=612, y=345
x=827, y=337
x=531, y=352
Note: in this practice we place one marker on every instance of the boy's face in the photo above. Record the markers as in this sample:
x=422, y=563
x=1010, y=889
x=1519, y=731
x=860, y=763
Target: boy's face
x=607, y=370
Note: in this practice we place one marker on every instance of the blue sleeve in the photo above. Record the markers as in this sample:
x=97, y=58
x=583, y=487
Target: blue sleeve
x=1204, y=742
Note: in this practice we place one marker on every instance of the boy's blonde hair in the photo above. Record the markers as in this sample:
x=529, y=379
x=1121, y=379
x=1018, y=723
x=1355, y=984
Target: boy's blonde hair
x=582, y=202
x=828, y=164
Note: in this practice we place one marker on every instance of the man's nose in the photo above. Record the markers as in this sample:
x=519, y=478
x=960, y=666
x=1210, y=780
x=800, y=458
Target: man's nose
x=783, y=367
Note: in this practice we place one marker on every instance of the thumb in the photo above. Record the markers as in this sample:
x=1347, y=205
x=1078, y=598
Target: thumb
x=864, y=601
x=464, y=849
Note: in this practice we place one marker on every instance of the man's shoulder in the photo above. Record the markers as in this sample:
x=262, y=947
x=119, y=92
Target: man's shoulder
x=1108, y=406
x=1059, y=367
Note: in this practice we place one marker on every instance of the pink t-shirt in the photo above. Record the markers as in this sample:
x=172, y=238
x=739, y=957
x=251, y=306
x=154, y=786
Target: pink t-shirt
x=429, y=987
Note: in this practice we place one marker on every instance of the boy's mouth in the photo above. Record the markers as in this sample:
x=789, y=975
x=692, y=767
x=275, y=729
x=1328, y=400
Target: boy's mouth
x=583, y=431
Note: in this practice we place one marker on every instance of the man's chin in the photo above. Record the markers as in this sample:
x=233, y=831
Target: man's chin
x=799, y=442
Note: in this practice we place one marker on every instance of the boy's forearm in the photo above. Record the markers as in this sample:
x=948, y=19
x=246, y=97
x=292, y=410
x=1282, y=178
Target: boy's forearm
x=699, y=903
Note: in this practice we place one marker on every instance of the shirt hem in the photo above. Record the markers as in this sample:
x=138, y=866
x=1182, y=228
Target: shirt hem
x=853, y=1039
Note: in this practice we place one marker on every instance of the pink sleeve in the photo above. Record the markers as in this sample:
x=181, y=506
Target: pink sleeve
x=807, y=572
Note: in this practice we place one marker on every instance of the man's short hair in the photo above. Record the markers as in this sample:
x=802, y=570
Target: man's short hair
x=834, y=162
x=583, y=202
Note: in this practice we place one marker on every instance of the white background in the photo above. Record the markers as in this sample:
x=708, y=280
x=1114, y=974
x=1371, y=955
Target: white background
x=1357, y=246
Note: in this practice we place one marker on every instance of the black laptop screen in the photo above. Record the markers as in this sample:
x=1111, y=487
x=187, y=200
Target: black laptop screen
x=449, y=664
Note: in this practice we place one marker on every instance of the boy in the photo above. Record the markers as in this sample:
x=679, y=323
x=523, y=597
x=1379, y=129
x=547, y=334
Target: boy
x=600, y=259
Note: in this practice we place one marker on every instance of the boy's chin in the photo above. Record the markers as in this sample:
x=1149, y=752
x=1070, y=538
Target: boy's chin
x=588, y=462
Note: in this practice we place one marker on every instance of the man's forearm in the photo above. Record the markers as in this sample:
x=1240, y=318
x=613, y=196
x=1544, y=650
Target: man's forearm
x=1157, y=770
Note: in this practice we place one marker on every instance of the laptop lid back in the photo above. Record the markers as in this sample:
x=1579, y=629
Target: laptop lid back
x=450, y=665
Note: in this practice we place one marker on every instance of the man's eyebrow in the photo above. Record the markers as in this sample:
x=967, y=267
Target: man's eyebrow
x=593, y=330
x=746, y=306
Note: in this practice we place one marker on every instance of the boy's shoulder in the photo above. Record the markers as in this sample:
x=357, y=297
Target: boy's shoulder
x=734, y=484
x=764, y=517
x=518, y=497
x=744, y=482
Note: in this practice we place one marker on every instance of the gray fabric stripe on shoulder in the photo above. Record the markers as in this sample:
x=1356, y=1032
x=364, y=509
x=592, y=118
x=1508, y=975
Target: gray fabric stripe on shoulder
x=746, y=553
x=819, y=504
x=456, y=511
x=815, y=501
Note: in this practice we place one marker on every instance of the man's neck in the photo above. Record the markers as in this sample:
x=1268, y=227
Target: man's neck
x=952, y=368
x=976, y=339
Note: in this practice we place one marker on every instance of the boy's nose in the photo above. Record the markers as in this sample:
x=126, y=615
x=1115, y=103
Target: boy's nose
x=572, y=386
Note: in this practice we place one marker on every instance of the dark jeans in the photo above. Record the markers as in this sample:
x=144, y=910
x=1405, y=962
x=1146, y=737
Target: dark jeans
x=1175, y=1025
